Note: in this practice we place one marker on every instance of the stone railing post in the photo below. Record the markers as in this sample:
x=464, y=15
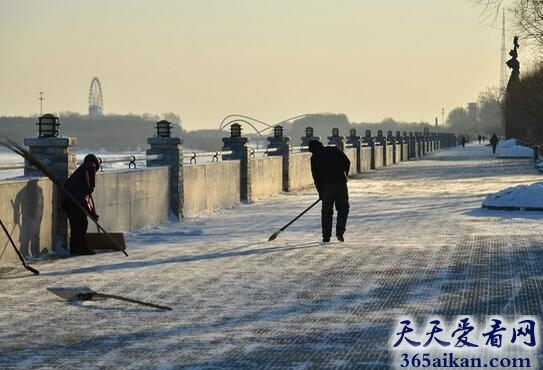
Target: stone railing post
x=391, y=140
x=240, y=151
x=53, y=151
x=383, y=141
x=412, y=146
x=407, y=144
x=171, y=150
x=420, y=141
x=282, y=144
x=336, y=140
x=368, y=139
x=309, y=136
x=355, y=141
x=399, y=146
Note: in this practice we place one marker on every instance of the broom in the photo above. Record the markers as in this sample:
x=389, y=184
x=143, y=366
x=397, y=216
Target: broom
x=29, y=157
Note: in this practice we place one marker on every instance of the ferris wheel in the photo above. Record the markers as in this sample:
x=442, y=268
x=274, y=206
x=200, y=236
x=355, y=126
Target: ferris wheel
x=96, y=100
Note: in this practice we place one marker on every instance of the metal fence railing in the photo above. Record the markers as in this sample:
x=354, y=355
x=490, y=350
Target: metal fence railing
x=131, y=160
x=204, y=156
x=263, y=152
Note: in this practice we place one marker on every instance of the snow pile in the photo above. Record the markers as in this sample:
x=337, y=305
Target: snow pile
x=510, y=149
x=507, y=143
x=522, y=197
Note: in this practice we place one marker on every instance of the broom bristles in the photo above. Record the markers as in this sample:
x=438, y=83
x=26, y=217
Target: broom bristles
x=274, y=235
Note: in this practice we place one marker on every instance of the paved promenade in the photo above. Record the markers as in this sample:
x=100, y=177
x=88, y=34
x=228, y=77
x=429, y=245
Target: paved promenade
x=418, y=246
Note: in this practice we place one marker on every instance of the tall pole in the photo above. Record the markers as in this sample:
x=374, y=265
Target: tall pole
x=503, y=57
x=41, y=98
x=443, y=116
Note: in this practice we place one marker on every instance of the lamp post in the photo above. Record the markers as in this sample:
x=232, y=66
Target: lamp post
x=163, y=129
x=48, y=125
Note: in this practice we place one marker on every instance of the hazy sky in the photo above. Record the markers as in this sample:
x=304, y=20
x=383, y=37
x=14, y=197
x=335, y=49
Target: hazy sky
x=270, y=59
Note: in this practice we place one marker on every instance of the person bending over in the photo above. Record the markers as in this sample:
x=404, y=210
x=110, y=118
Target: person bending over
x=80, y=185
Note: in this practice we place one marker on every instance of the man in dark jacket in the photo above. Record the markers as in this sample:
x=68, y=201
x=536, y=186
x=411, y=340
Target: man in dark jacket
x=330, y=167
x=80, y=185
x=494, y=142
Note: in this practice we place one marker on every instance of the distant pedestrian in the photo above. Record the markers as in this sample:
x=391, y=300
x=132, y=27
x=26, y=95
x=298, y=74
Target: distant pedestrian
x=463, y=141
x=330, y=167
x=80, y=185
x=494, y=142
x=479, y=137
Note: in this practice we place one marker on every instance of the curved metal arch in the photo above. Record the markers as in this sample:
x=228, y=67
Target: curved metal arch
x=224, y=124
x=247, y=122
x=242, y=116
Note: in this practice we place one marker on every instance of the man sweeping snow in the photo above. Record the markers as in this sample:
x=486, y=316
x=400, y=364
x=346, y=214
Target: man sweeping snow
x=330, y=167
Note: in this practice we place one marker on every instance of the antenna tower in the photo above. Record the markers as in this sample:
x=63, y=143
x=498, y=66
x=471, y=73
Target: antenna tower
x=41, y=99
x=503, y=57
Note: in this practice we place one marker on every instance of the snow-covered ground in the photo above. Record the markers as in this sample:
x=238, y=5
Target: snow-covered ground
x=418, y=245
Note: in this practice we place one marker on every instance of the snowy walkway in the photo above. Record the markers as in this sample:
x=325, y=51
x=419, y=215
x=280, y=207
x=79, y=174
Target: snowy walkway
x=418, y=244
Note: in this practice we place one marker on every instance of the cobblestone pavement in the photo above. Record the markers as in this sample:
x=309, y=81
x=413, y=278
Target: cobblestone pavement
x=418, y=245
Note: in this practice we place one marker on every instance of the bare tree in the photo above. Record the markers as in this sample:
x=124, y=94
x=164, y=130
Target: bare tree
x=528, y=16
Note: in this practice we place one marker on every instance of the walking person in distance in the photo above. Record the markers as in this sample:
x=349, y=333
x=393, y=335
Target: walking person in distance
x=494, y=142
x=330, y=167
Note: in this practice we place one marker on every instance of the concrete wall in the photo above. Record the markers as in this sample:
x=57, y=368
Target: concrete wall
x=300, y=171
x=131, y=199
x=211, y=185
x=398, y=153
x=405, y=151
x=365, y=159
x=351, y=154
x=378, y=156
x=26, y=209
x=266, y=176
x=389, y=156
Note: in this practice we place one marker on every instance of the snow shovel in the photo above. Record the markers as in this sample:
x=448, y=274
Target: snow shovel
x=21, y=257
x=275, y=234
x=87, y=294
x=101, y=241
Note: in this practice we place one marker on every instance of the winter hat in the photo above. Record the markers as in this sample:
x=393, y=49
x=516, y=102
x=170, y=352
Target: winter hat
x=315, y=146
x=92, y=158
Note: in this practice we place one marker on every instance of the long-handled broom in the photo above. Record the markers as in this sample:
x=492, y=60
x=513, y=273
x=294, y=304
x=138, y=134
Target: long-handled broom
x=275, y=234
x=31, y=269
x=17, y=148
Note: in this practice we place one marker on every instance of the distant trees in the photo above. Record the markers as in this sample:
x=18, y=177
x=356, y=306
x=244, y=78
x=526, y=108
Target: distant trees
x=458, y=121
x=108, y=132
x=489, y=118
x=490, y=112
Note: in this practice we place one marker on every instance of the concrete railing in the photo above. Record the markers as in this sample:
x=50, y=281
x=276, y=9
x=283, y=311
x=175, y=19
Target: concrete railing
x=185, y=184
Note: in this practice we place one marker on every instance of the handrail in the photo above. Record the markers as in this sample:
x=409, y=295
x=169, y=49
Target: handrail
x=11, y=166
x=130, y=158
x=214, y=155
